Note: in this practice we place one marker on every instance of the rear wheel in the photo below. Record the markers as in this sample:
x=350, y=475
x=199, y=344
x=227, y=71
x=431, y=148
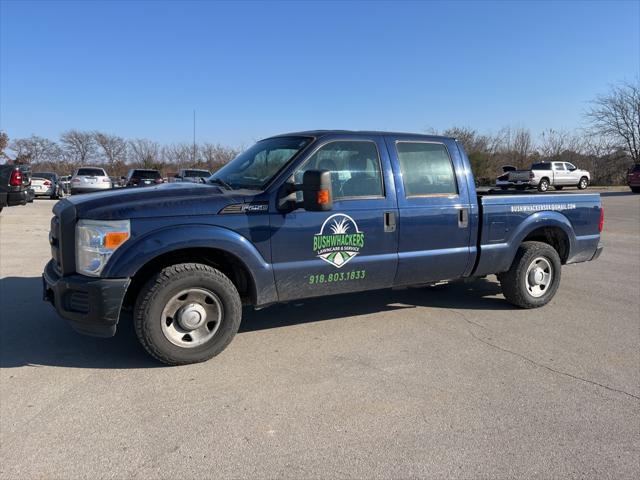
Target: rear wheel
x=187, y=313
x=534, y=276
x=543, y=186
x=584, y=183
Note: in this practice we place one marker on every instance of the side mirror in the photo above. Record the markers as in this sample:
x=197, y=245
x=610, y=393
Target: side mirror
x=317, y=194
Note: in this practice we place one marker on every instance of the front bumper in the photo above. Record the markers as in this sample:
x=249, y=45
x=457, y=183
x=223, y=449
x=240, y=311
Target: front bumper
x=91, y=305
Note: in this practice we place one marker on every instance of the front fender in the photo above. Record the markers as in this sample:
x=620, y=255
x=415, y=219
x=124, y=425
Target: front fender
x=133, y=255
x=498, y=257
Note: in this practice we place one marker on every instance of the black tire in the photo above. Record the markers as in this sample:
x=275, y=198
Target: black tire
x=514, y=281
x=583, y=183
x=635, y=189
x=559, y=187
x=161, y=288
x=543, y=186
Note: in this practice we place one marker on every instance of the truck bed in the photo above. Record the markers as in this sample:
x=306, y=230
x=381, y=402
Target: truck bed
x=507, y=218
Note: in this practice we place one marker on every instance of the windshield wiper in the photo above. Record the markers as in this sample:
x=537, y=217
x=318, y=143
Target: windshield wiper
x=219, y=181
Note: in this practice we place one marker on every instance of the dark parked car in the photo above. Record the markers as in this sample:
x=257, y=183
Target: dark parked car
x=14, y=185
x=633, y=178
x=139, y=177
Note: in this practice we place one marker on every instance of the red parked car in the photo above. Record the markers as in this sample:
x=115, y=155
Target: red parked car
x=633, y=178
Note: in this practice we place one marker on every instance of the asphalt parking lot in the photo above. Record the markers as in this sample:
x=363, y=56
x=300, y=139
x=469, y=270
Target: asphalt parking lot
x=438, y=382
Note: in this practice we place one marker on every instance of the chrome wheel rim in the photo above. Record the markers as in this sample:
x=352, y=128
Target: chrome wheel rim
x=544, y=186
x=539, y=277
x=191, y=317
x=583, y=183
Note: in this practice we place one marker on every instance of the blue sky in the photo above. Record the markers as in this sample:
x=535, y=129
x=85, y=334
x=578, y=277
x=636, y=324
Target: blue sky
x=138, y=69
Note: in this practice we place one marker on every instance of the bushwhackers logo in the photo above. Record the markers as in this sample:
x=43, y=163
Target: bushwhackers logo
x=339, y=240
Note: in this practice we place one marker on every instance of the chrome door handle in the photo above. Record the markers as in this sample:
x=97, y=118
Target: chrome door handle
x=389, y=222
x=463, y=218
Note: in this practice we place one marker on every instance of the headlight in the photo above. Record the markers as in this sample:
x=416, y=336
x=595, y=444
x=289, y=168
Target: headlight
x=96, y=240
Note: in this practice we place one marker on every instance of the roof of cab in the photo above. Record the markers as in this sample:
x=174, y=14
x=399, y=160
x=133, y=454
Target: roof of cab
x=323, y=133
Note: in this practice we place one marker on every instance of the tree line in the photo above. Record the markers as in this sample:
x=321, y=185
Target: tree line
x=115, y=154
x=607, y=146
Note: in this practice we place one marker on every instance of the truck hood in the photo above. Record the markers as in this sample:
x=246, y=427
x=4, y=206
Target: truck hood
x=167, y=200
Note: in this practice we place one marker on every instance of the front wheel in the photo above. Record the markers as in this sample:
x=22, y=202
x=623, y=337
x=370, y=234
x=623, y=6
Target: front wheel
x=543, y=186
x=584, y=183
x=534, y=276
x=187, y=313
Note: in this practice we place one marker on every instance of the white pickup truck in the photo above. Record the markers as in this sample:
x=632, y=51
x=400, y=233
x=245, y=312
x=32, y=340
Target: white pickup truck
x=543, y=175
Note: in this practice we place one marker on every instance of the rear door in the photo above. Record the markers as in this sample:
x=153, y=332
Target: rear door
x=354, y=246
x=434, y=207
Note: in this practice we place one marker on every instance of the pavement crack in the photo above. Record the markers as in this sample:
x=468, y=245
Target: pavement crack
x=537, y=364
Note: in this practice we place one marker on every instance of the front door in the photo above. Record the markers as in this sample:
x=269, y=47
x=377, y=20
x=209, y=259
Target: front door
x=354, y=246
x=435, y=211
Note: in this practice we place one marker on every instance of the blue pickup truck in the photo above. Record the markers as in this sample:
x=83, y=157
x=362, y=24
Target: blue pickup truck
x=303, y=215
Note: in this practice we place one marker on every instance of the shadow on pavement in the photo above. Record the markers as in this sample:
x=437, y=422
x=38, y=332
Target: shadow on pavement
x=31, y=333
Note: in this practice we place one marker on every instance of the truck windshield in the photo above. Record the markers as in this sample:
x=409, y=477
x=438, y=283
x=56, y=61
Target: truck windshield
x=255, y=167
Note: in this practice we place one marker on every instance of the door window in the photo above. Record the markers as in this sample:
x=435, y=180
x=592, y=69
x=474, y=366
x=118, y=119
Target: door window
x=354, y=166
x=558, y=166
x=426, y=169
x=569, y=166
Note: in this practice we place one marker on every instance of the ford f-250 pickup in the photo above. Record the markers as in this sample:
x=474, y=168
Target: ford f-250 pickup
x=303, y=215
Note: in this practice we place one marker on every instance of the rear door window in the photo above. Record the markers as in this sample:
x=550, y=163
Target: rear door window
x=426, y=169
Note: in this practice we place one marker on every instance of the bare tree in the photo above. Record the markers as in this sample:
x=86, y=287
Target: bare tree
x=36, y=149
x=4, y=143
x=145, y=153
x=114, y=148
x=79, y=145
x=616, y=115
x=554, y=142
x=522, y=146
x=215, y=156
x=179, y=154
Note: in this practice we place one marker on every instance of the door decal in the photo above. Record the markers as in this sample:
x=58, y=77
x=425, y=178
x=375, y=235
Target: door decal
x=339, y=240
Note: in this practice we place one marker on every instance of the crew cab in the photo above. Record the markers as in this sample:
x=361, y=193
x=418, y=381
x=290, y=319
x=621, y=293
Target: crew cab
x=303, y=215
x=544, y=175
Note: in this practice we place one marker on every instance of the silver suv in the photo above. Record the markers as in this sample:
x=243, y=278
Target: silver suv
x=90, y=179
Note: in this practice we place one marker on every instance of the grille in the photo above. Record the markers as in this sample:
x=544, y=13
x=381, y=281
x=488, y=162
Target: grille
x=78, y=302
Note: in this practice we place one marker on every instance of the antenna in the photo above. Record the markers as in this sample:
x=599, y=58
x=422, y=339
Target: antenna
x=194, y=137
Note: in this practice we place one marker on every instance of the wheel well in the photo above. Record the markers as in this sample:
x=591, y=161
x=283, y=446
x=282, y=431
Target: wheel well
x=554, y=236
x=545, y=178
x=228, y=264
